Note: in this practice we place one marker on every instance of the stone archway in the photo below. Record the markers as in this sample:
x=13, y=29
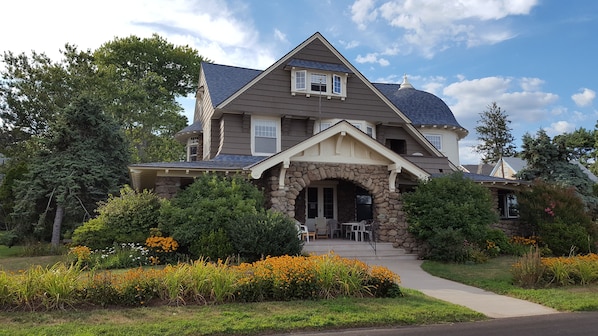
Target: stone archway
x=373, y=178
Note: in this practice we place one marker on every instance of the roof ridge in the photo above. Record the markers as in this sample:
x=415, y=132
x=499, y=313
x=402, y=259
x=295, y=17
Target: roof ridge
x=234, y=66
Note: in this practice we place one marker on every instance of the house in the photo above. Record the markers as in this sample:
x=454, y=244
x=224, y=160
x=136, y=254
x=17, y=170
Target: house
x=318, y=137
x=508, y=167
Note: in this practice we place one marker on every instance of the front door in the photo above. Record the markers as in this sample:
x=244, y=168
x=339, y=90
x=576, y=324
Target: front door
x=321, y=202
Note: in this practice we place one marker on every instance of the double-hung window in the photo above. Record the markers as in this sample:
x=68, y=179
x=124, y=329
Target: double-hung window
x=318, y=82
x=265, y=136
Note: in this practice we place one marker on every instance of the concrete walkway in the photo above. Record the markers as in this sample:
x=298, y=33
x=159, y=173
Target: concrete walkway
x=412, y=276
x=487, y=303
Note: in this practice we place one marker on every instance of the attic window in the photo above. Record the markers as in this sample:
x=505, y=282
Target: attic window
x=300, y=80
x=318, y=82
x=329, y=85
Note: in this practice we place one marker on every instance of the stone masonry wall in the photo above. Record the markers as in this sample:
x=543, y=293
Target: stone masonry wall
x=374, y=179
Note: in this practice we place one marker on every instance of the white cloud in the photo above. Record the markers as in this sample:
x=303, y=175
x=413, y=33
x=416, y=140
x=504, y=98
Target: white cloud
x=531, y=84
x=585, y=98
x=280, y=36
x=372, y=58
x=349, y=45
x=218, y=31
x=436, y=25
x=363, y=12
x=559, y=127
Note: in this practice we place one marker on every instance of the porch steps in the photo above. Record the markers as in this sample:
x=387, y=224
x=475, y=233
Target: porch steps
x=356, y=250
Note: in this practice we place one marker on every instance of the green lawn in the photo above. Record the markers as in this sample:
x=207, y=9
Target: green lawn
x=248, y=318
x=495, y=276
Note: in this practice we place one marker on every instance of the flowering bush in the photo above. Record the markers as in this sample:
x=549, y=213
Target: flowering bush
x=81, y=254
x=125, y=255
x=277, y=278
x=162, y=249
x=162, y=244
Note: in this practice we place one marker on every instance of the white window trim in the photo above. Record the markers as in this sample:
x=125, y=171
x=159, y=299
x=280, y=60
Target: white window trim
x=428, y=136
x=330, y=90
x=294, y=86
x=278, y=135
x=340, y=79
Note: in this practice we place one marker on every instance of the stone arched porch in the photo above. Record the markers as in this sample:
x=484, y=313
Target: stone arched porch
x=373, y=178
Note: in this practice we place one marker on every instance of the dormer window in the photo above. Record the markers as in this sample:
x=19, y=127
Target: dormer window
x=337, y=87
x=300, y=80
x=318, y=82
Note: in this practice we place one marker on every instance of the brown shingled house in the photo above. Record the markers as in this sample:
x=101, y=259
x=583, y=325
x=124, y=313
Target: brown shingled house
x=322, y=140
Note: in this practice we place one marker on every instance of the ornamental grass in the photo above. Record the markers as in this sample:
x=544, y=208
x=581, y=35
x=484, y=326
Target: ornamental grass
x=200, y=282
x=532, y=270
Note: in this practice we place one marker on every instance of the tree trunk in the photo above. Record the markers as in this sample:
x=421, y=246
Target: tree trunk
x=57, y=226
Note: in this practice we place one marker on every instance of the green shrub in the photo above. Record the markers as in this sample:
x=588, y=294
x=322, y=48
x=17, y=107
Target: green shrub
x=126, y=218
x=266, y=233
x=206, y=206
x=212, y=245
x=451, y=214
x=558, y=216
x=497, y=243
x=94, y=234
x=565, y=239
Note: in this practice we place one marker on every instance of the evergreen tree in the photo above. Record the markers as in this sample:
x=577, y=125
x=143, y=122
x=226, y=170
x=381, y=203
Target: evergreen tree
x=84, y=158
x=548, y=160
x=494, y=134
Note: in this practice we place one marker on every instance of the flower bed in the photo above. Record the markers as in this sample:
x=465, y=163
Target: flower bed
x=531, y=270
x=201, y=282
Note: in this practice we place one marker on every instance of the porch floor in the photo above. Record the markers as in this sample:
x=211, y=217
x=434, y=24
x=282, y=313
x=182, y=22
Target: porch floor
x=356, y=249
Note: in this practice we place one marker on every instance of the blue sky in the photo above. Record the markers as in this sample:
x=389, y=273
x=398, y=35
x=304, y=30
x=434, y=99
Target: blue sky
x=536, y=58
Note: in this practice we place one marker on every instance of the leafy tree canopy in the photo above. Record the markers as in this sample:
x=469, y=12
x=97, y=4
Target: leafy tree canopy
x=135, y=80
x=494, y=134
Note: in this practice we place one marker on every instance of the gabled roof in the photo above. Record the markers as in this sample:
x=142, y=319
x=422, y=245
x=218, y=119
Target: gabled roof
x=514, y=163
x=193, y=129
x=338, y=132
x=223, y=80
x=289, y=58
x=482, y=168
